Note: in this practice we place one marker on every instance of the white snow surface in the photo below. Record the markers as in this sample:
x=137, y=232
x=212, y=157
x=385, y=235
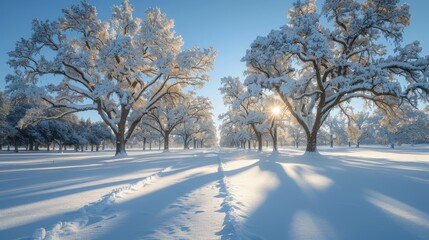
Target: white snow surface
x=339, y=193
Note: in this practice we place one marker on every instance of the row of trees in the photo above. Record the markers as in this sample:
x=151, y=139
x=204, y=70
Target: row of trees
x=126, y=68
x=254, y=121
x=184, y=116
x=67, y=131
x=322, y=60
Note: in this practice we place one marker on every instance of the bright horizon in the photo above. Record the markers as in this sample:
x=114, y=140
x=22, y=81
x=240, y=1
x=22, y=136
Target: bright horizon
x=228, y=26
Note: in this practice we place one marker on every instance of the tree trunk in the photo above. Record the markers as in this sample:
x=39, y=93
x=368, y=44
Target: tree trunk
x=97, y=147
x=357, y=144
x=275, y=146
x=144, y=144
x=392, y=145
x=184, y=144
x=311, y=142
x=331, y=140
x=260, y=143
x=31, y=147
x=104, y=142
x=150, y=145
x=297, y=144
x=120, y=143
x=166, y=141
x=8, y=146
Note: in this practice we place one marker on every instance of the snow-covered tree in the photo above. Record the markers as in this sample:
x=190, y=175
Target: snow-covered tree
x=197, y=122
x=120, y=67
x=146, y=134
x=205, y=134
x=185, y=130
x=251, y=109
x=233, y=132
x=321, y=59
x=357, y=125
x=297, y=133
x=4, y=111
x=102, y=132
x=413, y=126
x=173, y=110
x=17, y=136
x=334, y=126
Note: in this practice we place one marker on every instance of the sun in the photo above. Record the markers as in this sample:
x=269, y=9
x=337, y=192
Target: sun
x=276, y=110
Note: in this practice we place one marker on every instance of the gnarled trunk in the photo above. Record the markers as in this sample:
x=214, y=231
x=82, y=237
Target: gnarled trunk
x=311, y=142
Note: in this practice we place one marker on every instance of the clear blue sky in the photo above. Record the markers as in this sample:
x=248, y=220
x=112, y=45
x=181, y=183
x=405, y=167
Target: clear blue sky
x=227, y=25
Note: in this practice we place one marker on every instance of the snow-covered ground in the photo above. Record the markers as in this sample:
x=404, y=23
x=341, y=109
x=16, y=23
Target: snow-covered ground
x=341, y=193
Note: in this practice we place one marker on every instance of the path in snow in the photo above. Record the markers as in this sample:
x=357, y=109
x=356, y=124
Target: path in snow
x=182, y=201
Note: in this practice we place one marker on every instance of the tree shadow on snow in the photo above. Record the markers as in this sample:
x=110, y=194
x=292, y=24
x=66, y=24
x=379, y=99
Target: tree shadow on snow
x=327, y=197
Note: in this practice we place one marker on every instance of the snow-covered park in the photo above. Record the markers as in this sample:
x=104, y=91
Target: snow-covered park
x=341, y=193
x=127, y=119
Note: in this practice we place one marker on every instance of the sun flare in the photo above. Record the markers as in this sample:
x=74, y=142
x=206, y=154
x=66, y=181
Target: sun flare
x=276, y=110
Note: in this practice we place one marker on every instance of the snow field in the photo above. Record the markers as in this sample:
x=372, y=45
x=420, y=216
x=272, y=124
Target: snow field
x=342, y=193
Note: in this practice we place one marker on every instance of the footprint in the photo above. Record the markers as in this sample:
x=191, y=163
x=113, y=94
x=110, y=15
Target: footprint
x=185, y=229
